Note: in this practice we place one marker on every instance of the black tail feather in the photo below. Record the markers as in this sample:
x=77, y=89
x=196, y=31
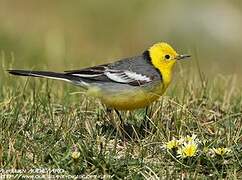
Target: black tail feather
x=45, y=74
x=52, y=75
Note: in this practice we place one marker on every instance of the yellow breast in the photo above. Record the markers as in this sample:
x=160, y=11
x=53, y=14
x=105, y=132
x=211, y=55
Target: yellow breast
x=132, y=100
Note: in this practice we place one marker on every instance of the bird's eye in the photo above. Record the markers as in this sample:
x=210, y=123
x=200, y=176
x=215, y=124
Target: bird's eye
x=167, y=56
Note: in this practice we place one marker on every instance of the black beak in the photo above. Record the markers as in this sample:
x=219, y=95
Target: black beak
x=182, y=56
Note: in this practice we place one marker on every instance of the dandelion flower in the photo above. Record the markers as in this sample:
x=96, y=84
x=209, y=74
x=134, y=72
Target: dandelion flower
x=75, y=155
x=75, y=152
x=188, y=150
x=171, y=144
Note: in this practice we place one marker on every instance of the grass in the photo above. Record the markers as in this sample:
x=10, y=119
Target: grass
x=48, y=128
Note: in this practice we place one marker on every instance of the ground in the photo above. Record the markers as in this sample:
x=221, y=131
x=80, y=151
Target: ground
x=50, y=128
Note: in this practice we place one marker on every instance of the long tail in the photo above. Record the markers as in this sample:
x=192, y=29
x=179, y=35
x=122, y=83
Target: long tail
x=51, y=75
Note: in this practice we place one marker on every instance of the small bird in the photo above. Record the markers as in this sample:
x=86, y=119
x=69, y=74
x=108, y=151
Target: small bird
x=126, y=84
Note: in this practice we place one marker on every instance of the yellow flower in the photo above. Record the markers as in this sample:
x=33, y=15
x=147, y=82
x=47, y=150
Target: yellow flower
x=188, y=150
x=75, y=152
x=171, y=144
x=221, y=151
x=75, y=155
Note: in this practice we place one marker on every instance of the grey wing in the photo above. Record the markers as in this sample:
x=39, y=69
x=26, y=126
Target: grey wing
x=125, y=71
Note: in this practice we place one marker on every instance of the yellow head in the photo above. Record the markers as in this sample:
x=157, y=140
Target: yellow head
x=164, y=57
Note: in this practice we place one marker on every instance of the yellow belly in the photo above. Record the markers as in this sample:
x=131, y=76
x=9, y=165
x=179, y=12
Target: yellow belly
x=132, y=100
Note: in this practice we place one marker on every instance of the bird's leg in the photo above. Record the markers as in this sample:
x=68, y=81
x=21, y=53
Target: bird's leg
x=120, y=127
x=147, y=118
x=124, y=130
x=109, y=113
x=109, y=110
x=119, y=115
x=111, y=118
x=146, y=113
x=145, y=124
